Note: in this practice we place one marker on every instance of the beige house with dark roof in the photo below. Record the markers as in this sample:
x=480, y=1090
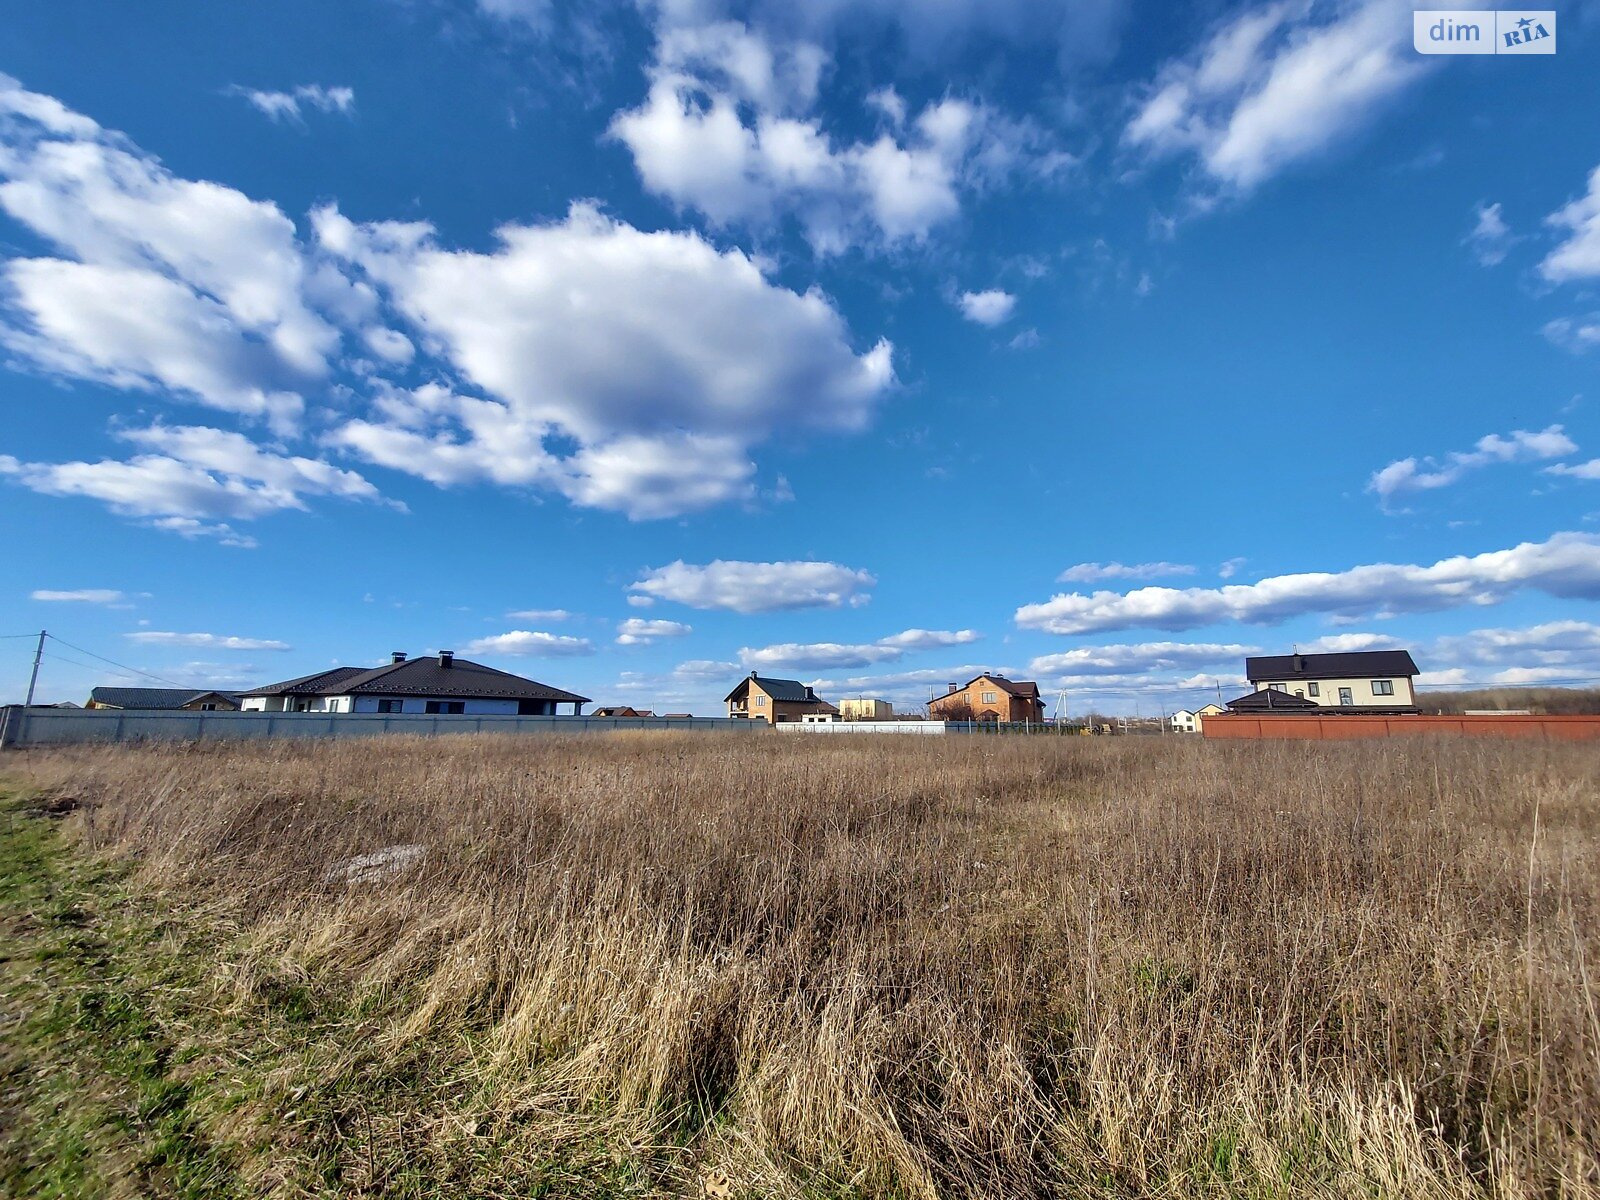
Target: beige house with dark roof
x=1373, y=681
x=989, y=697
x=775, y=701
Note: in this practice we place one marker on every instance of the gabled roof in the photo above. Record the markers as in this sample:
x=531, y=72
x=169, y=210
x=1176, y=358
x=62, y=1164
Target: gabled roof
x=422, y=677
x=1270, y=700
x=318, y=683
x=1358, y=664
x=788, y=691
x=139, y=697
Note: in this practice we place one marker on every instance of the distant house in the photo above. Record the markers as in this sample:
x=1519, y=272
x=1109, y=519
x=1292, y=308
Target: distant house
x=620, y=710
x=989, y=697
x=171, y=699
x=441, y=685
x=1374, y=681
x=862, y=709
x=1187, y=721
x=762, y=698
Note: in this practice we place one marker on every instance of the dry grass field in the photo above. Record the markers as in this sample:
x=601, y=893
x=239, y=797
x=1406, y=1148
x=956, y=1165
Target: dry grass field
x=675, y=964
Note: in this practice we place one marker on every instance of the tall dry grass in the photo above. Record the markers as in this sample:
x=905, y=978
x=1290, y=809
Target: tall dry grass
x=927, y=967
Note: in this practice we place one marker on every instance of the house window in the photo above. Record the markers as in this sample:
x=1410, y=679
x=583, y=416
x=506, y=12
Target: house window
x=988, y=698
x=446, y=707
x=1383, y=687
x=761, y=701
x=1313, y=689
x=391, y=706
x=208, y=708
x=1276, y=687
x=1345, y=697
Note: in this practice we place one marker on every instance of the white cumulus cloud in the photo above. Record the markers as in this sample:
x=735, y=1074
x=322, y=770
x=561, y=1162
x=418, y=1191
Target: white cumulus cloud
x=1567, y=565
x=991, y=308
x=1276, y=84
x=1578, y=256
x=1518, y=446
x=289, y=106
x=724, y=130
x=166, y=283
x=755, y=587
x=213, y=641
x=530, y=643
x=821, y=656
x=79, y=596
x=1491, y=237
x=194, y=475
x=636, y=631
x=640, y=347
x=1090, y=661
x=1094, y=572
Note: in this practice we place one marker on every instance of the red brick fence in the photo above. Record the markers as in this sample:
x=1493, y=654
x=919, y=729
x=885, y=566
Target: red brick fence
x=1311, y=727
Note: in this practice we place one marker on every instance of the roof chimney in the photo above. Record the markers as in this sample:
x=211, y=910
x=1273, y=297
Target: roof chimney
x=447, y=658
x=952, y=690
x=397, y=656
x=1299, y=662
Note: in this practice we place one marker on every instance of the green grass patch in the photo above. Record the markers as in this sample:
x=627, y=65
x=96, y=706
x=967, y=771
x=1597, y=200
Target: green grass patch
x=94, y=1104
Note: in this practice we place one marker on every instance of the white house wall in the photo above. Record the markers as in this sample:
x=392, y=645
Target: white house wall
x=1361, y=694
x=475, y=705
x=369, y=704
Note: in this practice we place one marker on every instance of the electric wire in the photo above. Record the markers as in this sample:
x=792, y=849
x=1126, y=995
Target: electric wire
x=113, y=662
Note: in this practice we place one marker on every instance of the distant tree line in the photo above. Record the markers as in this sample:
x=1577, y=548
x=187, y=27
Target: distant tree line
x=1547, y=701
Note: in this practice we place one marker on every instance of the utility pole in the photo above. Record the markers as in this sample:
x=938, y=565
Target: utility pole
x=34, y=678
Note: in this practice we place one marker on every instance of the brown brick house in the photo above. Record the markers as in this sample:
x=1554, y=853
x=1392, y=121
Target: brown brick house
x=989, y=697
x=762, y=698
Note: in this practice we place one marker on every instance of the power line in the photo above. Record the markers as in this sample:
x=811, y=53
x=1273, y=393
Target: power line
x=62, y=658
x=113, y=662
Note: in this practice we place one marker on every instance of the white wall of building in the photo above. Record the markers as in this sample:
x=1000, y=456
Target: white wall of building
x=472, y=705
x=417, y=704
x=1364, y=692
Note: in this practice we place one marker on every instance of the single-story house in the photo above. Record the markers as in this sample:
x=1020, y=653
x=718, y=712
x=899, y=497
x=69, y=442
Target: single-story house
x=1189, y=721
x=762, y=698
x=989, y=697
x=1373, y=681
x=170, y=699
x=440, y=685
x=621, y=710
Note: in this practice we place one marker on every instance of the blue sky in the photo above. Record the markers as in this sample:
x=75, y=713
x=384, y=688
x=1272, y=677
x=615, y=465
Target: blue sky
x=633, y=347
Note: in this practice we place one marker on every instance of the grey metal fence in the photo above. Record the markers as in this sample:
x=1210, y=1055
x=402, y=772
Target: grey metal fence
x=23, y=727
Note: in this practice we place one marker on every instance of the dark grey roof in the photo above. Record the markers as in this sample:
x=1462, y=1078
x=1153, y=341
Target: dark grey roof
x=145, y=697
x=422, y=677
x=1358, y=664
x=1271, y=700
x=789, y=691
x=317, y=683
